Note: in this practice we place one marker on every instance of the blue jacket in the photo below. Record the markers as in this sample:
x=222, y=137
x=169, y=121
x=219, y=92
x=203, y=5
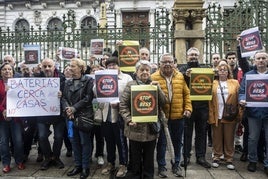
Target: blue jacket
x=255, y=112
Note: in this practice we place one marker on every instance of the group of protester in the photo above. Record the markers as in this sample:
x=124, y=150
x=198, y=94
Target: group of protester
x=136, y=142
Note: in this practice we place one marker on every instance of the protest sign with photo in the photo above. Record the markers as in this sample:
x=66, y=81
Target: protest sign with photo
x=66, y=53
x=144, y=103
x=128, y=55
x=96, y=47
x=106, y=82
x=257, y=90
x=33, y=97
x=250, y=42
x=201, y=84
x=32, y=54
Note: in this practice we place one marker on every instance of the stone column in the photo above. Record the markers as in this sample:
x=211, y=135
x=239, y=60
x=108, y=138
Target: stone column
x=198, y=15
x=180, y=16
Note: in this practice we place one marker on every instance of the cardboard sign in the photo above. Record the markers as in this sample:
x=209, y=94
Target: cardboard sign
x=201, y=84
x=106, y=82
x=144, y=103
x=128, y=55
x=33, y=97
x=250, y=42
x=257, y=90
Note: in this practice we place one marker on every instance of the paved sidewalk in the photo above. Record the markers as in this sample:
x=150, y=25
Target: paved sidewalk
x=194, y=171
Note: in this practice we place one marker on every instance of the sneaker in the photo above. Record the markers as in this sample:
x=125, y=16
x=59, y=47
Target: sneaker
x=202, y=161
x=21, y=166
x=252, y=166
x=122, y=171
x=215, y=164
x=100, y=160
x=177, y=172
x=6, y=169
x=230, y=166
x=109, y=167
x=162, y=172
x=58, y=163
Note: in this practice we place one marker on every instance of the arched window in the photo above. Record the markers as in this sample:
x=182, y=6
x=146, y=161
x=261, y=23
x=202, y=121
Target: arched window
x=89, y=30
x=55, y=24
x=22, y=25
x=89, y=23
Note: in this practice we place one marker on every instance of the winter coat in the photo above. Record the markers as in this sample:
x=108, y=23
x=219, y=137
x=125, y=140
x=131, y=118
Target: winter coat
x=180, y=101
x=140, y=132
x=233, y=87
x=79, y=96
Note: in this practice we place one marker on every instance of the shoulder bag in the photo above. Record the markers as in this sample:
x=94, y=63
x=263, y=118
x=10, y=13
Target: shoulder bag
x=230, y=111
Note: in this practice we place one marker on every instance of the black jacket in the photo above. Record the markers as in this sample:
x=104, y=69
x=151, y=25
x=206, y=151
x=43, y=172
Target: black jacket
x=79, y=96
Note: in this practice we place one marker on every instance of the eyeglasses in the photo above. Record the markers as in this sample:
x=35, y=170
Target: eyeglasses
x=166, y=62
x=193, y=54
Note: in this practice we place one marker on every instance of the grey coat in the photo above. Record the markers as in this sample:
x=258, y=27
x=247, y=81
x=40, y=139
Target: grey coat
x=140, y=132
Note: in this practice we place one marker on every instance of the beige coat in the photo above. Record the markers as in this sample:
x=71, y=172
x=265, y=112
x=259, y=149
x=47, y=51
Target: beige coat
x=233, y=87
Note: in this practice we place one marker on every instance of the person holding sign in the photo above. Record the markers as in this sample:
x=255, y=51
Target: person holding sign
x=9, y=127
x=141, y=138
x=257, y=115
x=224, y=91
x=113, y=125
x=77, y=101
x=51, y=154
x=176, y=110
x=199, y=116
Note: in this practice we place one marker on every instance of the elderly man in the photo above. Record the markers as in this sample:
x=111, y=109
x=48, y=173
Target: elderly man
x=144, y=53
x=257, y=116
x=199, y=116
x=52, y=155
x=175, y=88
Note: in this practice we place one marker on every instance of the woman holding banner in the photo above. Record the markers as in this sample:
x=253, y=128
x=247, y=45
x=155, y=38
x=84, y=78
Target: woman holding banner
x=77, y=99
x=142, y=135
x=224, y=91
x=9, y=127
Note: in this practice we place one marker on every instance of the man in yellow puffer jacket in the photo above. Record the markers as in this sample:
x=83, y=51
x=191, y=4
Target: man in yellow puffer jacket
x=179, y=104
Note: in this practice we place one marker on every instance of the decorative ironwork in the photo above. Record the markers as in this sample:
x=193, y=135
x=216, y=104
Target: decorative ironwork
x=69, y=35
x=224, y=25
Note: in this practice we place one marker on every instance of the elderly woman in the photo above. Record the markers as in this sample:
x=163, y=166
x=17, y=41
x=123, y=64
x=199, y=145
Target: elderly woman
x=141, y=139
x=225, y=90
x=77, y=99
x=9, y=127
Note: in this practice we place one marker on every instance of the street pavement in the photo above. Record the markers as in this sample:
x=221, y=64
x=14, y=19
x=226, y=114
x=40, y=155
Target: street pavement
x=194, y=171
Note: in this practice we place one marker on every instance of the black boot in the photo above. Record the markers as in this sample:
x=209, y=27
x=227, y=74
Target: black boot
x=84, y=174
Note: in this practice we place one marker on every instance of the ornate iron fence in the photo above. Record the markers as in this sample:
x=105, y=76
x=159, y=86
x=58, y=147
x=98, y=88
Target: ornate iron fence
x=159, y=38
x=223, y=25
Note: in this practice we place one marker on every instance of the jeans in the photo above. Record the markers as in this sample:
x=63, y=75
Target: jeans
x=255, y=126
x=198, y=119
x=8, y=130
x=176, y=132
x=44, y=132
x=81, y=145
